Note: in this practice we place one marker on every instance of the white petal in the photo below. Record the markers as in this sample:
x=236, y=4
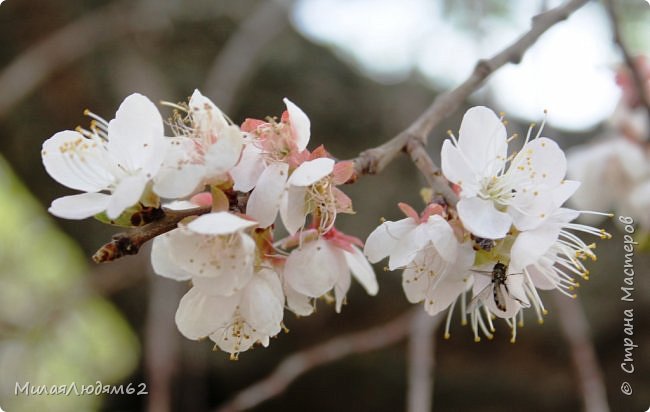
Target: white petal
x=77, y=162
x=385, y=238
x=298, y=303
x=541, y=162
x=136, y=134
x=79, y=206
x=564, y=191
x=219, y=223
x=247, y=172
x=482, y=219
x=482, y=139
x=199, y=315
x=260, y=305
x=531, y=245
x=311, y=172
x=126, y=194
x=314, y=268
x=293, y=208
x=178, y=176
x=264, y=201
x=341, y=288
x=300, y=124
x=162, y=262
x=457, y=171
x=208, y=119
x=225, y=153
x=438, y=231
x=362, y=270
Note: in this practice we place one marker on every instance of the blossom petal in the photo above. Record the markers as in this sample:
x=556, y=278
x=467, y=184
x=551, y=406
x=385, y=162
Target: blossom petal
x=298, y=303
x=219, y=223
x=311, y=172
x=260, y=305
x=293, y=208
x=136, y=135
x=77, y=162
x=264, y=201
x=362, y=270
x=482, y=139
x=251, y=165
x=206, y=115
x=225, y=153
x=341, y=288
x=482, y=219
x=314, y=268
x=162, y=262
x=300, y=124
x=199, y=315
x=126, y=194
x=385, y=238
x=541, y=162
x=439, y=232
x=79, y=206
x=456, y=170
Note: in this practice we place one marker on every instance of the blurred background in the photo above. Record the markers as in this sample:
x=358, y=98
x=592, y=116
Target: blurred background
x=362, y=70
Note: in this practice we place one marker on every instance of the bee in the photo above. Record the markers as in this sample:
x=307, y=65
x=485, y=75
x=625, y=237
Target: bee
x=499, y=288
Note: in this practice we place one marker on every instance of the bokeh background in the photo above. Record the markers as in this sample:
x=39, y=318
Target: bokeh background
x=362, y=70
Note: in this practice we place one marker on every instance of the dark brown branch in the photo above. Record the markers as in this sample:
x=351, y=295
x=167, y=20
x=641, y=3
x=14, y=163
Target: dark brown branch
x=297, y=364
x=637, y=77
x=129, y=243
x=374, y=160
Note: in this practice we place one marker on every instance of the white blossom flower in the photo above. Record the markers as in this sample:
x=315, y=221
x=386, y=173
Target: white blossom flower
x=431, y=278
x=213, y=251
x=235, y=322
x=206, y=147
x=493, y=195
x=325, y=263
x=277, y=192
x=267, y=143
x=402, y=240
x=119, y=157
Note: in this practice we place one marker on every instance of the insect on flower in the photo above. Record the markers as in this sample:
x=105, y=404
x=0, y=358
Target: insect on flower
x=500, y=285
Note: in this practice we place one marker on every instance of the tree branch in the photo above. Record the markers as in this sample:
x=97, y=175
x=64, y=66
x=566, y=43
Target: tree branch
x=129, y=243
x=421, y=349
x=297, y=364
x=585, y=363
x=637, y=78
x=374, y=160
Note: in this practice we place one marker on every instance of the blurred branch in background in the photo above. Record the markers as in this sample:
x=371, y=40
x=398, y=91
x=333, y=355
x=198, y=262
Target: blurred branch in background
x=633, y=67
x=72, y=42
x=235, y=62
x=421, y=360
x=335, y=349
x=575, y=327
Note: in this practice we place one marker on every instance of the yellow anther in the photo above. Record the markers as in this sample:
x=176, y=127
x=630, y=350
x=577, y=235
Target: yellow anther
x=477, y=339
x=86, y=112
x=447, y=335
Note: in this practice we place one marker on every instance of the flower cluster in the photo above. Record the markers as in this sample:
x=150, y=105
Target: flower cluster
x=242, y=277
x=508, y=237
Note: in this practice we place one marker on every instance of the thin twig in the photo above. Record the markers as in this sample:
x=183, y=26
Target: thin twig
x=421, y=361
x=575, y=327
x=235, y=62
x=637, y=78
x=129, y=243
x=374, y=160
x=297, y=364
x=431, y=172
